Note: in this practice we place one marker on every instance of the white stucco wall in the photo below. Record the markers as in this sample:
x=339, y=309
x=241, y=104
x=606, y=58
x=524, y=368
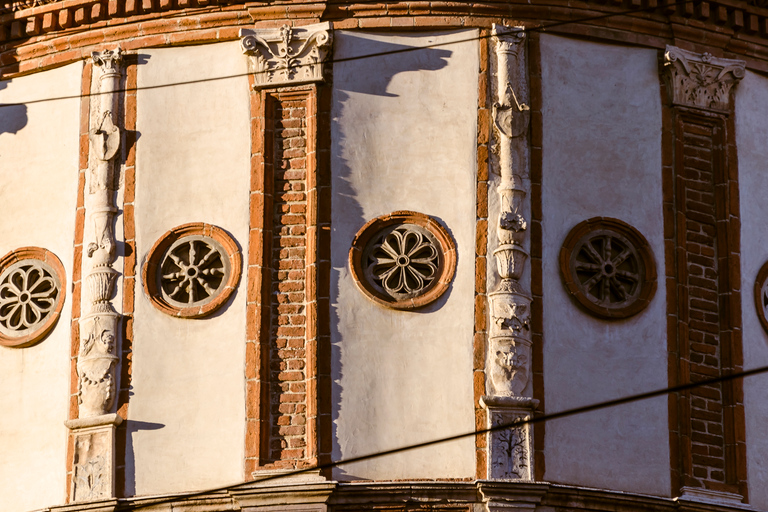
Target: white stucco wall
x=602, y=157
x=187, y=411
x=751, y=134
x=39, y=148
x=403, y=138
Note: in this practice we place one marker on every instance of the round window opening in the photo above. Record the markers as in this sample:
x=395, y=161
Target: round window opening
x=192, y=270
x=761, y=295
x=608, y=268
x=31, y=295
x=403, y=260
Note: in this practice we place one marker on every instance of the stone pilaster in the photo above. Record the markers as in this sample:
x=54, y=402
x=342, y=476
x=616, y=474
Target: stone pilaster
x=98, y=360
x=509, y=352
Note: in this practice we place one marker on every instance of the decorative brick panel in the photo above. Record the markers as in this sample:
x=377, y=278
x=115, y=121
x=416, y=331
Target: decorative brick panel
x=701, y=230
x=698, y=142
x=288, y=351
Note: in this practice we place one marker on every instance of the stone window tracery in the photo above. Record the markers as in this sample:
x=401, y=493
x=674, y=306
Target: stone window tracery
x=608, y=267
x=192, y=270
x=31, y=295
x=403, y=260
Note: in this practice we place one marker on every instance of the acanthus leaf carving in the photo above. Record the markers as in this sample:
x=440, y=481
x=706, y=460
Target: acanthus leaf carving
x=700, y=80
x=287, y=55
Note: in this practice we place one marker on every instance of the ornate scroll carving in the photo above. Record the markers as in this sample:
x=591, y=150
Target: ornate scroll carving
x=97, y=362
x=700, y=80
x=509, y=353
x=288, y=55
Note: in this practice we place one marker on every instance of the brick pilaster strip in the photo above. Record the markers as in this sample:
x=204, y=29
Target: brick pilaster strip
x=702, y=254
x=481, y=250
x=288, y=363
x=537, y=309
x=77, y=283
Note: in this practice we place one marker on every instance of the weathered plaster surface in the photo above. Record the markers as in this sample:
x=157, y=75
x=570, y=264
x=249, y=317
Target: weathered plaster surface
x=39, y=147
x=403, y=138
x=186, y=414
x=751, y=134
x=602, y=157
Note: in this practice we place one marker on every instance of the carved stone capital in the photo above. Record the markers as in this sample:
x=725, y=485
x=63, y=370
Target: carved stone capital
x=508, y=39
x=288, y=55
x=108, y=60
x=700, y=80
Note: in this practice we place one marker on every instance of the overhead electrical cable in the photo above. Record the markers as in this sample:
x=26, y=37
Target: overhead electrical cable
x=504, y=426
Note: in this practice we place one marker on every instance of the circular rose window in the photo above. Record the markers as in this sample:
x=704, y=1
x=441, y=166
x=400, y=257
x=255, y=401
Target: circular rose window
x=32, y=290
x=761, y=295
x=403, y=260
x=191, y=270
x=608, y=267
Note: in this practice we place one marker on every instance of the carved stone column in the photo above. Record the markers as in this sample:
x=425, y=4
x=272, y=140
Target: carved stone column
x=97, y=364
x=509, y=353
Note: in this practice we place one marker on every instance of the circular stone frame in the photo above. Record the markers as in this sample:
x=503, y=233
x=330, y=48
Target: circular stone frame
x=761, y=282
x=53, y=263
x=446, y=258
x=155, y=257
x=644, y=256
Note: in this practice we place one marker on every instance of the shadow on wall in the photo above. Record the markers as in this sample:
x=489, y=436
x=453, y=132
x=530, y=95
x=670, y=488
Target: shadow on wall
x=13, y=117
x=131, y=428
x=355, y=73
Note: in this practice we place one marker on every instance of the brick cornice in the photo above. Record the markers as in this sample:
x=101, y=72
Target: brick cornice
x=57, y=33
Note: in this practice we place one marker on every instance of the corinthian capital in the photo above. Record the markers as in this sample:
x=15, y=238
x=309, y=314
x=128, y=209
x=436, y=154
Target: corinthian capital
x=288, y=55
x=700, y=80
x=508, y=39
x=108, y=60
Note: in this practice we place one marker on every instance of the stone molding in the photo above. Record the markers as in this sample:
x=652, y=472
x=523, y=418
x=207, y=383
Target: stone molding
x=44, y=261
x=700, y=80
x=288, y=55
x=487, y=495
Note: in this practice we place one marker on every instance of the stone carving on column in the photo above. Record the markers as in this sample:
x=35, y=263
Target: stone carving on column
x=98, y=361
x=700, y=80
x=509, y=353
x=288, y=55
